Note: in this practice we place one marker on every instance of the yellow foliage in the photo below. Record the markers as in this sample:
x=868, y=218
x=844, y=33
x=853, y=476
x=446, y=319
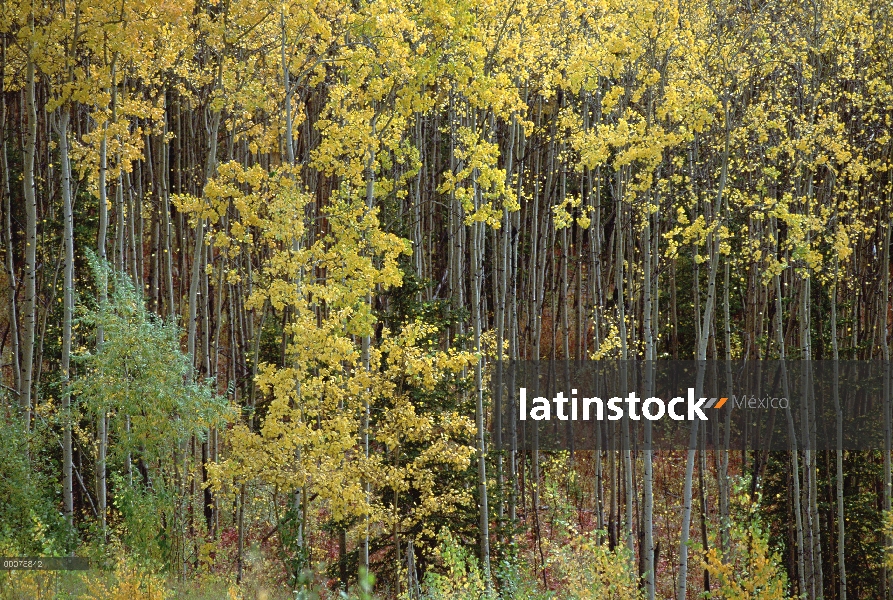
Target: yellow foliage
x=750, y=569
x=590, y=571
x=128, y=582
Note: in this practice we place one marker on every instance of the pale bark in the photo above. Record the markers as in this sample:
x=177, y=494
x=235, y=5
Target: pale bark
x=648, y=492
x=477, y=257
x=166, y=225
x=888, y=417
x=841, y=524
x=68, y=308
x=198, y=250
x=101, y=417
x=703, y=337
x=7, y=233
x=795, y=456
x=29, y=308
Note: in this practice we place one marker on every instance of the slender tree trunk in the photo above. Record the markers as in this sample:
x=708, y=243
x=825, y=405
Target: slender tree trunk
x=198, y=250
x=704, y=335
x=366, y=345
x=841, y=524
x=30, y=303
x=164, y=177
x=888, y=418
x=722, y=475
x=795, y=456
x=68, y=308
x=648, y=550
x=7, y=232
x=477, y=257
x=102, y=418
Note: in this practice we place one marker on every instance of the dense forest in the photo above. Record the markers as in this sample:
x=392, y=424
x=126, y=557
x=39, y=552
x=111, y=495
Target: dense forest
x=260, y=259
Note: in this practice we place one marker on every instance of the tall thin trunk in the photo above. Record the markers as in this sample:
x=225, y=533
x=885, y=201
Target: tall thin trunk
x=289, y=91
x=702, y=497
x=648, y=550
x=888, y=418
x=164, y=177
x=68, y=308
x=366, y=345
x=722, y=475
x=29, y=312
x=198, y=250
x=208, y=496
x=809, y=437
x=618, y=268
x=7, y=232
x=515, y=355
x=477, y=257
x=704, y=335
x=841, y=525
x=795, y=455
x=119, y=246
x=102, y=418
x=624, y=355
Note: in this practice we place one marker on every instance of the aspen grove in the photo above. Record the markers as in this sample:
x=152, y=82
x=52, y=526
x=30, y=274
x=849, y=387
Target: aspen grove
x=261, y=259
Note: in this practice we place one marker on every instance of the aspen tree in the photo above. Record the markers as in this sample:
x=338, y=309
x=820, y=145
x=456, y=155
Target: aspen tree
x=7, y=228
x=29, y=307
x=841, y=523
x=68, y=308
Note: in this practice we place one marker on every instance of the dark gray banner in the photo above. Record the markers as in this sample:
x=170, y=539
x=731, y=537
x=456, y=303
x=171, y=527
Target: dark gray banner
x=45, y=563
x=677, y=405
